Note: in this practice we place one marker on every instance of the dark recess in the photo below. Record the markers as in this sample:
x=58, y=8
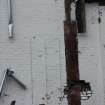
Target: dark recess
x=92, y=1
x=80, y=16
x=13, y=102
x=101, y=2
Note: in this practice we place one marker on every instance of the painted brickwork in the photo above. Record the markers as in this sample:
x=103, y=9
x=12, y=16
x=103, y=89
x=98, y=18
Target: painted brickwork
x=36, y=53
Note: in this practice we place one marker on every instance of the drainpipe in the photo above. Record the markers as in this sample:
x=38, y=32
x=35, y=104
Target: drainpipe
x=10, y=21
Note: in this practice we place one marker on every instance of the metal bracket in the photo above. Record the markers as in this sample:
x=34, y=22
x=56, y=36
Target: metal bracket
x=9, y=73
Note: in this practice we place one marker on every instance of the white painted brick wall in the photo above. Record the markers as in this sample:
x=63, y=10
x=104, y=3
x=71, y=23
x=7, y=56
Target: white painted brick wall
x=90, y=58
x=36, y=53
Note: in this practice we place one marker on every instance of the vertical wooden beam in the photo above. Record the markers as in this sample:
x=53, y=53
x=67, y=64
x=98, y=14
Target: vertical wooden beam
x=80, y=16
x=67, y=9
x=71, y=51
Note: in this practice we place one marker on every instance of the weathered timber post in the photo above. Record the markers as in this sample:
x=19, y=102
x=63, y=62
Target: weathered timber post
x=71, y=52
x=80, y=16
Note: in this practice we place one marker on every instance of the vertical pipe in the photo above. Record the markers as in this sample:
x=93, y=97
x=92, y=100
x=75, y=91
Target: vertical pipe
x=10, y=22
x=2, y=82
x=71, y=52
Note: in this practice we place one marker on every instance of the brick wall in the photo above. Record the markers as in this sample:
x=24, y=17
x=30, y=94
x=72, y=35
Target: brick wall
x=36, y=53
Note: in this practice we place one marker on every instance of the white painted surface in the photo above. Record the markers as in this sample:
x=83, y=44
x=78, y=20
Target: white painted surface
x=90, y=58
x=36, y=53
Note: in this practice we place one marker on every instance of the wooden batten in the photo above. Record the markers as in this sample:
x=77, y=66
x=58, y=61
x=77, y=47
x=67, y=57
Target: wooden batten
x=71, y=52
x=80, y=16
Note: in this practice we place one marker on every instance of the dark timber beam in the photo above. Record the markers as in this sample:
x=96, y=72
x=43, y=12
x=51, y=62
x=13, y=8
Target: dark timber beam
x=92, y=1
x=80, y=16
x=101, y=2
x=71, y=52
